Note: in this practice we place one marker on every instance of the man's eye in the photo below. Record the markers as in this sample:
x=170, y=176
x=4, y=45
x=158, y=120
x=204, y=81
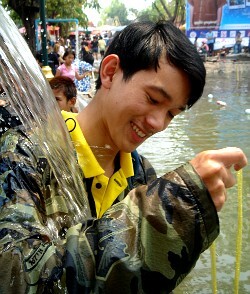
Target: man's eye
x=151, y=100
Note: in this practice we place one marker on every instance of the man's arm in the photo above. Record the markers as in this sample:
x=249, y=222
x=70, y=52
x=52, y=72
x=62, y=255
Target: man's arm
x=157, y=232
x=151, y=240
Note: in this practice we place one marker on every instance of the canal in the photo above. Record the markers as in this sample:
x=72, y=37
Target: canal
x=209, y=125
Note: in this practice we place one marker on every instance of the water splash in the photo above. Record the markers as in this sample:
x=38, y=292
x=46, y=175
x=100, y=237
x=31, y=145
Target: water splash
x=32, y=99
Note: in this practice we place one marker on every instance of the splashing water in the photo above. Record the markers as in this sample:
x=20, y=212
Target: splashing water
x=32, y=99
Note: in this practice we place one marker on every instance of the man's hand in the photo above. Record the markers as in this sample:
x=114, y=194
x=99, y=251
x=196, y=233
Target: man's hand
x=214, y=167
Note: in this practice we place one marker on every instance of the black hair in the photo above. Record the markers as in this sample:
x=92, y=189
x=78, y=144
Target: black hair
x=69, y=52
x=140, y=46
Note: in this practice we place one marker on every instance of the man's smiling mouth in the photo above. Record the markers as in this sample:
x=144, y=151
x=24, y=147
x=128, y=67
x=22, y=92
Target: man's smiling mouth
x=138, y=131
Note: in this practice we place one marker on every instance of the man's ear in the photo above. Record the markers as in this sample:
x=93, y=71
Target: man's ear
x=110, y=64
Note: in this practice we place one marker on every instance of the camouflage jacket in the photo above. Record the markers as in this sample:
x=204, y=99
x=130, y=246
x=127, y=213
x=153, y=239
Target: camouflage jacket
x=145, y=243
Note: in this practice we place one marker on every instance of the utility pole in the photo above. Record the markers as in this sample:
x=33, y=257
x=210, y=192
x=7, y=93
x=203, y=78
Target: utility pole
x=43, y=33
x=45, y=69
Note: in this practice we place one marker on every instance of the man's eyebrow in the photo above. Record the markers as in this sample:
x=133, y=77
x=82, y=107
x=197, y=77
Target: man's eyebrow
x=166, y=95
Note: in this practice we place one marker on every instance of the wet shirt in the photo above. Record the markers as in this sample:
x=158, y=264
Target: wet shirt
x=104, y=190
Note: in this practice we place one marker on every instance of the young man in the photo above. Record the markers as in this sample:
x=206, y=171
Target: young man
x=65, y=92
x=210, y=42
x=237, y=45
x=145, y=234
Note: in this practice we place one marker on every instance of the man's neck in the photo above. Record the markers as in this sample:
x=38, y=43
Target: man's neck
x=97, y=139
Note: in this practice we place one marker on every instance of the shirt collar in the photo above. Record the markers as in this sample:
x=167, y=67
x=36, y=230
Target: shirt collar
x=86, y=158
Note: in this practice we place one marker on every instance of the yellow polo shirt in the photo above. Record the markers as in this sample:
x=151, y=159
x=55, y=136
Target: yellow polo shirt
x=104, y=190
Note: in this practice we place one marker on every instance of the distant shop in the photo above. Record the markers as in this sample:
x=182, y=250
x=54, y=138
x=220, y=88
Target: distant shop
x=224, y=17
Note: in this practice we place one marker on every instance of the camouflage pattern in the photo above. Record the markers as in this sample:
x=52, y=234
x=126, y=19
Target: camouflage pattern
x=146, y=243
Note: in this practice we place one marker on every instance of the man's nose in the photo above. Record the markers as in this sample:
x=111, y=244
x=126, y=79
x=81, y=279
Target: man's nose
x=158, y=121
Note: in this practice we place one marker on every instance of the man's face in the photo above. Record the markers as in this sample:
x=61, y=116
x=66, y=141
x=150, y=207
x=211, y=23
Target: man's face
x=62, y=101
x=143, y=105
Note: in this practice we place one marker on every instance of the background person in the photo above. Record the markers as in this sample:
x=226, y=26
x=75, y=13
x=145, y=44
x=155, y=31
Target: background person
x=65, y=92
x=57, y=51
x=222, y=54
x=102, y=46
x=237, y=45
x=68, y=69
x=86, y=54
x=84, y=85
x=210, y=42
x=94, y=47
x=204, y=49
x=53, y=60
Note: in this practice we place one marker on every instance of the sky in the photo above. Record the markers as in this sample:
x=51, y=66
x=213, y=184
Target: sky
x=137, y=4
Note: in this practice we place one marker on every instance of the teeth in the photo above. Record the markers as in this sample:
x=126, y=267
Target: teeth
x=138, y=131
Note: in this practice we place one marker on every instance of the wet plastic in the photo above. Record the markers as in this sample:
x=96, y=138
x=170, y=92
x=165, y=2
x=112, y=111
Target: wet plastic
x=32, y=99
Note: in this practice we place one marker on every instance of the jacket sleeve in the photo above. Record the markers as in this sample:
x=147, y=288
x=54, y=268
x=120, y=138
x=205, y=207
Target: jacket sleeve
x=148, y=241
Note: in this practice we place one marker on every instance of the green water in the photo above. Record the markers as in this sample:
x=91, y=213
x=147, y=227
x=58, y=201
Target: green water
x=210, y=126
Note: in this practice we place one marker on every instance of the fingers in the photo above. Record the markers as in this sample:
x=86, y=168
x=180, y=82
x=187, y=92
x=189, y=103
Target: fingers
x=214, y=167
x=215, y=159
x=218, y=187
x=218, y=195
x=230, y=156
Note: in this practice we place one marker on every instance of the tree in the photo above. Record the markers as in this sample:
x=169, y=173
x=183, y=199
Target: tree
x=69, y=9
x=174, y=11
x=28, y=11
x=117, y=12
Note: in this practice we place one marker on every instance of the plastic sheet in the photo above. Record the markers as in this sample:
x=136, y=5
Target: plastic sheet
x=32, y=99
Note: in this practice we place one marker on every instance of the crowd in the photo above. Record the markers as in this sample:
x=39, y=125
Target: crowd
x=62, y=61
x=91, y=48
x=206, y=47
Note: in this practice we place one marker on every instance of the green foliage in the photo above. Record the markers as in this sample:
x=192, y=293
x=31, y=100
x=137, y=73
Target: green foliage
x=173, y=10
x=54, y=9
x=117, y=12
x=70, y=9
x=14, y=16
x=149, y=13
x=28, y=10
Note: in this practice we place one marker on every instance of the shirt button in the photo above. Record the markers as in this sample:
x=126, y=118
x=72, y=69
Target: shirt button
x=98, y=185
